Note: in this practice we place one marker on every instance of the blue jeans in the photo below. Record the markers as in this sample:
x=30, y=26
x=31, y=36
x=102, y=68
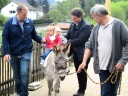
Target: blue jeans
x=47, y=51
x=108, y=89
x=21, y=68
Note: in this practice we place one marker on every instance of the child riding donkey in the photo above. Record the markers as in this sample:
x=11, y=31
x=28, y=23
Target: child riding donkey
x=53, y=38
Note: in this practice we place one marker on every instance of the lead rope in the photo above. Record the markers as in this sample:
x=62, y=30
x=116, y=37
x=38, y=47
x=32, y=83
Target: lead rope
x=113, y=76
x=120, y=84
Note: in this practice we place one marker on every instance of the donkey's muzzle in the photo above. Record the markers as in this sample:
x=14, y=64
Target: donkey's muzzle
x=62, y=78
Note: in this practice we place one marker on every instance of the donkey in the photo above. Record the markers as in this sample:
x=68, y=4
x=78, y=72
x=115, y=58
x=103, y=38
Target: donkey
x=55, y=70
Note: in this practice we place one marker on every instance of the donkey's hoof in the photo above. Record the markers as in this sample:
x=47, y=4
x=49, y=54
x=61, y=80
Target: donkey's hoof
x=49, y=94
x=57, y=91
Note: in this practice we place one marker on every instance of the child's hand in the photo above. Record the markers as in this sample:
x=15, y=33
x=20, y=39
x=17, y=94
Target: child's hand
x=44, y=41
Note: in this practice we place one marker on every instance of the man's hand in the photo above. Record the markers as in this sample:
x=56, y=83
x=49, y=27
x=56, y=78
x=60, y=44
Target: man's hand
x=81, y=66
x=7, y=58
x=43, y=40
x=119, y=67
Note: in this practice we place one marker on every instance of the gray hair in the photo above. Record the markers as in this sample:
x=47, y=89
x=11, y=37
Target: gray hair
x=21, y=7
x=99, y=9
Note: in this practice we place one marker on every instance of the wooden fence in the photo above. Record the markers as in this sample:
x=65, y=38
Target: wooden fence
x=7, y=84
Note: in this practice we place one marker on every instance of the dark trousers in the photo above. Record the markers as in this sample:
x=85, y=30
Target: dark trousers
x=82, y=77
x=21, y=68
x=108, y=89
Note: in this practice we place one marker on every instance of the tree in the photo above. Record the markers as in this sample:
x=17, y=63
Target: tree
x=100, y=1
x=65, y=7
x=83, y=5
x=56, y=15
x=116, y=10
x=89, y=5
x=32, y=3
x=3, y=19
x=45, y=6
x=119, y=10
x=3, y=3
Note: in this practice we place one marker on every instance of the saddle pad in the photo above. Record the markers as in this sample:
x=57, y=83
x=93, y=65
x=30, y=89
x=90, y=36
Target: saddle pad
x=45, y=62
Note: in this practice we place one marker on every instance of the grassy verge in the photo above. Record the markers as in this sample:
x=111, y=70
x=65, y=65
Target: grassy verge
x=0, y=37
x=42, y=33
x=0, y=41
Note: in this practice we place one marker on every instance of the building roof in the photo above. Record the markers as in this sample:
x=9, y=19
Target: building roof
x=27, y=5
x=63, y=26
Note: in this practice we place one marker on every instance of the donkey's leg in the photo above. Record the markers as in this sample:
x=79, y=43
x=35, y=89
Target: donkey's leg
x=50, y=85
x=56, y=84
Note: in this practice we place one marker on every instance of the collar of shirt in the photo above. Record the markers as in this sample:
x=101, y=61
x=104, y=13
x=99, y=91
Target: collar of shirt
x=78, y=24
x=52, y=38
x=110, y=22
x=15, y=20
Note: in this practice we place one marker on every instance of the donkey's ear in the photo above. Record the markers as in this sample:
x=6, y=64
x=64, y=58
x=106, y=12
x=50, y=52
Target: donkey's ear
x=55, y=49
x=67, y=48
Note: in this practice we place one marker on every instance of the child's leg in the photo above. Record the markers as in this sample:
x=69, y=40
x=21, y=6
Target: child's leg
x=68, y=68
x=47, y=51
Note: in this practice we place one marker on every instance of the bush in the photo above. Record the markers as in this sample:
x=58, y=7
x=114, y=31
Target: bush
x=56, y=15
x=3, y=19
x=44, y=20
x=90, y=20
x=120, y=10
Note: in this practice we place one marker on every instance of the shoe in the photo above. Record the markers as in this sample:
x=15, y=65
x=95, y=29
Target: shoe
x=67, y=72
x=18, y=95
x=42, y=62
x=78, y=94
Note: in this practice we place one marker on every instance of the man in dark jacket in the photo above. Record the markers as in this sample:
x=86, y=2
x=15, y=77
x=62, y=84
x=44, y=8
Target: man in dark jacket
x=78, y=34
x=17, y=38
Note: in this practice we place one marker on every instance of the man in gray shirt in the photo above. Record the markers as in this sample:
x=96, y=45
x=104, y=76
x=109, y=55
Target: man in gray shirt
x=109, y=44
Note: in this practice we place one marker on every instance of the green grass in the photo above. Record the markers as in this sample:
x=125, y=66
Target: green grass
x=0, y=40
x=42, y=33
x=0, y=36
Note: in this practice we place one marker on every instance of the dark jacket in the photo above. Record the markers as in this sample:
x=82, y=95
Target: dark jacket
x=15, y=41
x=78, y=36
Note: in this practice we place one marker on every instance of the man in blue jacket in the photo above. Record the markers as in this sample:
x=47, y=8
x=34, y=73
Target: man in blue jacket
x=78, y=34
x=17, y=46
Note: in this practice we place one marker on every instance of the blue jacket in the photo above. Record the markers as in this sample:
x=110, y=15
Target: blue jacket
x=78, y=38
x=14, y=41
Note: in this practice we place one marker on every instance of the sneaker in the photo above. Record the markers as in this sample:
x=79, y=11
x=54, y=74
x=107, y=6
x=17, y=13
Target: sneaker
x=78, y=94
x=42, y=62
x=18, y=95
x=67, y=72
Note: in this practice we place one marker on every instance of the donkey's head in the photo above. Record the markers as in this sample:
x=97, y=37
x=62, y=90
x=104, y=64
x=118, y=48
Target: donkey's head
x=61, y=59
